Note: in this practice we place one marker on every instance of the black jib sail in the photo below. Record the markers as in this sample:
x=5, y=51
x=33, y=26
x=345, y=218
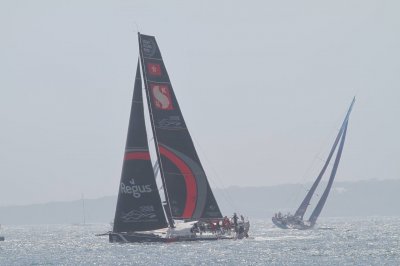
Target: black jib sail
x=139, y=205
x=188, y=192
x=321, y=202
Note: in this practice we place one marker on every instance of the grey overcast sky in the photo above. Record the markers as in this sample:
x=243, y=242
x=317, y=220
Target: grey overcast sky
x=263, y=86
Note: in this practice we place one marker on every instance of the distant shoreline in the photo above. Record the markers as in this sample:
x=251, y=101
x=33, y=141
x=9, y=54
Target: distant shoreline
x=348, y=199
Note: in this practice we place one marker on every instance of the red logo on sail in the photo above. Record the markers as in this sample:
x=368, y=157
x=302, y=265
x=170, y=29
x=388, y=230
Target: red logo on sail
x=154, y=69
x=161, y=96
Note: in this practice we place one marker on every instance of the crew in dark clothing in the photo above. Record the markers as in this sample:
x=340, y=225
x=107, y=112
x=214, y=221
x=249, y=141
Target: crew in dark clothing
x=235, y=223
x=241, y=229
x=195, y=228
x=202, y=228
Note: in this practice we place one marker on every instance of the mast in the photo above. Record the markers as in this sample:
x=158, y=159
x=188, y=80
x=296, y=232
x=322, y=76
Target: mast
x=306, y=201
x=83, y=209
x=321, y=202
x=168, y=205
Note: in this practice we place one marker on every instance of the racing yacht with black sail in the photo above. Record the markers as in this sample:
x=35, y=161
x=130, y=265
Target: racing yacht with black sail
x=141, y=215
x=296, y=221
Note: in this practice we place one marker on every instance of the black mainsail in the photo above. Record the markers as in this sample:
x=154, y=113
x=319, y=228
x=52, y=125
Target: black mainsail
x=139, y=205
x=189, y=195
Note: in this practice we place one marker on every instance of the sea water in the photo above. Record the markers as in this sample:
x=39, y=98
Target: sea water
x=335, y=241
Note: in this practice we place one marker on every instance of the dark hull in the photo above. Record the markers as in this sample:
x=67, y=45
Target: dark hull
x=289, y=225
x=148, y=238
x=279, y=224
x=2, y=238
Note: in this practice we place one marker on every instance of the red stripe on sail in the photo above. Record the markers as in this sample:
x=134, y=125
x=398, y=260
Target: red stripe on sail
x=142, y=155
x=190, y=181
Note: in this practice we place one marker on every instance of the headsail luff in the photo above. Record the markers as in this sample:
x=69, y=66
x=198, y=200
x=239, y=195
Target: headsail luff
x=189, y=193
x=139, y=205
x=306, y=201
x=321, y=202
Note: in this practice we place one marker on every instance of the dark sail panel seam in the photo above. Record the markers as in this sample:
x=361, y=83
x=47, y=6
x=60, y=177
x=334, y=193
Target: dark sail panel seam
x=144, y=149
x=159, y=82
x=152, y=58
x=173, y=129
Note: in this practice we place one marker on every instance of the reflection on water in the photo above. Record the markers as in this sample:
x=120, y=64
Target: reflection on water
x=339, y=241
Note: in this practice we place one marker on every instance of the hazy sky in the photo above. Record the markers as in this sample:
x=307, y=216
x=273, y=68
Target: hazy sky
x=263, y=86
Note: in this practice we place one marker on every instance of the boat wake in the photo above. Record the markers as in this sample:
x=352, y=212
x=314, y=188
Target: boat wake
x=281, y=238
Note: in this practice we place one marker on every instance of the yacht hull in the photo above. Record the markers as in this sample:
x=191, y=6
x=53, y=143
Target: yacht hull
x=147, y=238
x=279, y=223
x=291, y=225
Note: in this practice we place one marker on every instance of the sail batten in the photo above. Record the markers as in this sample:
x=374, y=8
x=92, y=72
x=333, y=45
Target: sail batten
x=189, y=193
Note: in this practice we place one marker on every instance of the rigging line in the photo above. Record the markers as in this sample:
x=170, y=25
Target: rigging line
x=137, y=27
x=323, y=146
x=224, y=194
x=295, y=196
